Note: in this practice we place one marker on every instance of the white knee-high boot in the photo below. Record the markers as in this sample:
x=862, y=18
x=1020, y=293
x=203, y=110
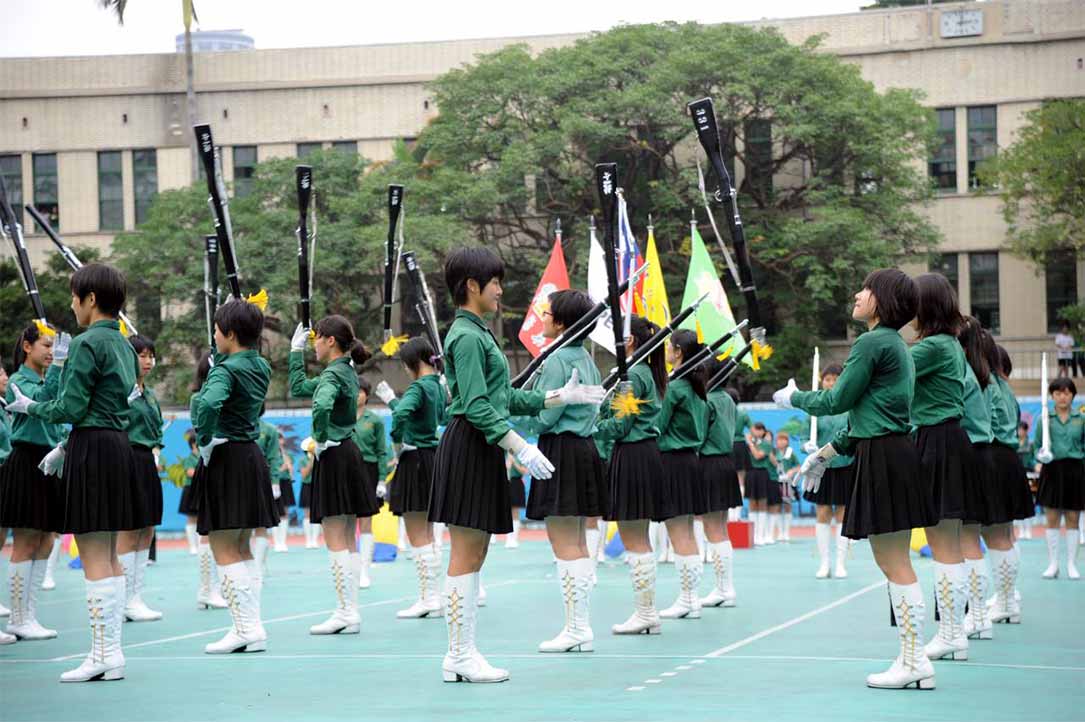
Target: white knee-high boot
x=208, y=595
x=823, y=534
x=911, y=667
x=463, y=662
x=723, y=593
x=1006, y=608
x=591, y=535
x=688, y=604
x=1052, y=536
x=574, y=579
x=427, y=567
x=645, y=618
x=365, y=558
x=105, y=602
x=843, y=545
x=345, y=619
x=24, y=592
x=1073, y=541
x=49, y=582
x=600, y=553
x=247, y=633
x=134, y=608
x=977, y=623
x=701, y=539
x=192, y=537
x=949, y=589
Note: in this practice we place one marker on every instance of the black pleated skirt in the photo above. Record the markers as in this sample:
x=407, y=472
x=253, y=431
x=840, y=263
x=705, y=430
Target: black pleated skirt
x=835, y=487
x=306, y=500
x=760, y=486
x=518, y=492
x=287, y=497
x=235, y=490
x=470, y=482
x=887, y=494
x=1062, y=485
x=721, y=482
x=27, y=496
x=145, y=471
x=190, y=500
x=741, y=454
x=578, y=484
x=684, y=488
x=97, y=491
x=342, y=485
x=1012, y=483
x=947, y=466
x=636, y=482
x=413, y=482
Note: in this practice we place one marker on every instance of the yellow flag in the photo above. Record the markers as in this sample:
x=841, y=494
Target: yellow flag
x=187, y=12
x=653, y=305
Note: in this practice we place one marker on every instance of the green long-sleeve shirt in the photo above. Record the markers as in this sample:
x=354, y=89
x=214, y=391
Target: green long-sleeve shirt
x=478, y=379
x=189, y=463
x=683, y=420
x=875, y=389
x=634, y=427
x=939, y=380
x=28, y=429
x=334, y=393
x=228, y=405
x=99, y=375
x=785, y=462
x=719, y=436
x=369, y=435
x=977, y=411
x=145, y=420
x=1005, y=411
x=268, y=441
x=555, y=373
x=5, y=436
x=1067, y=437
x=828, y=428
x=764, y=446
x=416, y=416
x=1026, y=452
x=742, y=423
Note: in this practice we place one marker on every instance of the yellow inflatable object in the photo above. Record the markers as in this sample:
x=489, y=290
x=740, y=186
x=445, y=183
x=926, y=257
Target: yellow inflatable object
x=612, y=529
x=73, y=549
x=919, y=539
x=386, y=526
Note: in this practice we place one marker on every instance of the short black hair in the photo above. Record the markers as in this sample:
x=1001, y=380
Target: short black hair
x=339, y=328
x=1023, y=425
x=105, y=282
x=733, y=393
x=466, y=264
x=1062, y=383
x=417, y=351
x=569, y=306
x=938, y=311
x=895, y=295
x=364, y=385
x=241, y=318
x=832, y=370
x=202, y=369
x=141, y=344
x=758, y=425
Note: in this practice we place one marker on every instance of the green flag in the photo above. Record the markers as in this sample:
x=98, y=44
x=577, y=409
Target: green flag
x=714, y=315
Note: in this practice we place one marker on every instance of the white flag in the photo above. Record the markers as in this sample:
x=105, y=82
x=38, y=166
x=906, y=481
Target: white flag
x=603, y=334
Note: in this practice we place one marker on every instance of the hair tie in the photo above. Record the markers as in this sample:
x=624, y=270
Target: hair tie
x=433, y=360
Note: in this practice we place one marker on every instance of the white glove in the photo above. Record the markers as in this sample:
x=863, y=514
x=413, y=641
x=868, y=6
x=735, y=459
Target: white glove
x=1044, y=456
x=782, y=397
x=538, y=466
x=60, y=348
x=276, y=491
x=205, y=451
x=21, y=403
x=324, y=446
x=385, y=393
x=574, y=393
x=134, y=394
x=382, y=490
x=813, y=468
x=53, y=463
x=300, y=339
x=809, y=447
x=404, y=448
x=157, y=458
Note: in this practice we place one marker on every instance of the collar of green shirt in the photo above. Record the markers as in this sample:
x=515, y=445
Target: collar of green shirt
x=106, y=323
x=477, y=320
x=25, y=373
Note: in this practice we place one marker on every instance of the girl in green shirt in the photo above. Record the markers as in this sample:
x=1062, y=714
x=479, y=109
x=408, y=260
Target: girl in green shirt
x=369, y=435
x=342, y=487
x=761, y=491
x=470, y=489
x=887, y=499
x=24, y=489
x=145, y=437
x=1062, y=476
x=787, y=469
x=96, y=489
x=209, y=590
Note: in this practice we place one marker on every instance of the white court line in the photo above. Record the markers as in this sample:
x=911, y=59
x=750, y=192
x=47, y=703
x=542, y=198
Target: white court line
x=289, y=618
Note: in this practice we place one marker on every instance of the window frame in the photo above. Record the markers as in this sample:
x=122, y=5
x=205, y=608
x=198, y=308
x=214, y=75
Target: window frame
x=144, y=175
x=991, y=319
x=48, y=208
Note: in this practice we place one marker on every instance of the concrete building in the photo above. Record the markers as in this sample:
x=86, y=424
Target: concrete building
x=96, y=137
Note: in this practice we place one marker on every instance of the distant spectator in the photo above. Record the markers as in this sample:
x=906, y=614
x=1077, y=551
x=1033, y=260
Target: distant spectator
x=1068, y=360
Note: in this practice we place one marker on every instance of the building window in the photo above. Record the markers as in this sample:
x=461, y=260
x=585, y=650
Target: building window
x=982, y=139
x=244, y=169
x=304, y=149
x=943, y=164
x=946, y=264
x=983, y=279
x=145, y=170
x=46, y=195
x=759, y=157
x=110, y=191
x=346, y=146
x=1060, y=278
x=11, y=170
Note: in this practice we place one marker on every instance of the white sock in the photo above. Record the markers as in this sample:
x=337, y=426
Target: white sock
x=191, y=535
x=307, y=531
x=516, y=529
x=785, y=523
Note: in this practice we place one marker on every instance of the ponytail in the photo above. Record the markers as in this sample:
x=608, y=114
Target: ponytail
x=359, y=354
x=686, y=341
x=339, y=328
x=642, y=330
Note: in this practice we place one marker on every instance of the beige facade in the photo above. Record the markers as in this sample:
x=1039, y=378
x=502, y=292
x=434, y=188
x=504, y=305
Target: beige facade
x=74, y=107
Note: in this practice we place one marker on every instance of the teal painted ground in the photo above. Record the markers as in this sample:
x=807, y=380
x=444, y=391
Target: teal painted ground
x=760, y=661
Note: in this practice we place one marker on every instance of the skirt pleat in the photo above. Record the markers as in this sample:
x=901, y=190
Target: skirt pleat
x=413, y=482
x=721, y=482
x=1062, y=485
x=97, y=491
x=1013, y=483
x=342, y=484
x=145, y=471
x=190, y=500
x=760, y=486
x=26, y=494
x=306, y=499
x=235, y=490
x=636, y=482
x=287, y=498
x=577, y=485
x=887, y=494
x=740, y=452
x=470, y=482
x=835, y=487
x=948, y=467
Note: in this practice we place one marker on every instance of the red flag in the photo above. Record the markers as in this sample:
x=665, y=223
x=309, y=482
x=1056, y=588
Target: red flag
x=554, y=278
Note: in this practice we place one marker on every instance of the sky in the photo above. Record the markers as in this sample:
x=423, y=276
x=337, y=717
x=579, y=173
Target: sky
x=81, y=27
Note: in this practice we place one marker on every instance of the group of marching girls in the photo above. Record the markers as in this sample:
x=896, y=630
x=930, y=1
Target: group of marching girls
x=959, y=476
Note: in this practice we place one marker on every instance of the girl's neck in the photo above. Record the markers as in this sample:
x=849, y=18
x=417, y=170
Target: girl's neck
x=334, y=354
x=474, y=306
x=96, y=316
x=871, y=323
x=36, y=368
x=425, y=370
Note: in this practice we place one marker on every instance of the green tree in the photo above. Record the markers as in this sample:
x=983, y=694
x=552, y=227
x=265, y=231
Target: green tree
x=518, y=134
x=1041, y=181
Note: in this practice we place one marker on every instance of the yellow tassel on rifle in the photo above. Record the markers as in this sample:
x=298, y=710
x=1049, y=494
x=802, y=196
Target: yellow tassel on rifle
x=625, y=404
x=726, y=354
x=391, y=347
x=44, y=329
x=759, y=352
x=700, y=331
x=123, y=328
x=259, y=299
